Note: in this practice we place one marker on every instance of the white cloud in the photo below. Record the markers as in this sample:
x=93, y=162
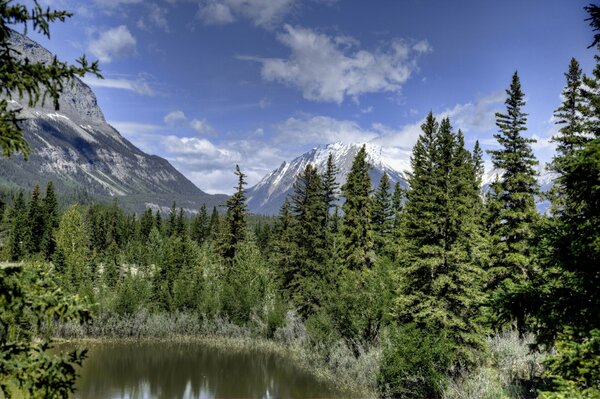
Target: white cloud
x=321, y=130
x=115, y=42
x=175, y=118
x=156, y=17
x=263, y=13
x=201, y=126
x=138, y=86
x=115, y=3
x=330, y=69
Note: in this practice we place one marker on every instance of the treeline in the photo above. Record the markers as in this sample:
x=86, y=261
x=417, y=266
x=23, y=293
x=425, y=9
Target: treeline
x=425, y=273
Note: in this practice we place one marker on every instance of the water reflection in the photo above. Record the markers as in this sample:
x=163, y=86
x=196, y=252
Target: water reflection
x=191, y=370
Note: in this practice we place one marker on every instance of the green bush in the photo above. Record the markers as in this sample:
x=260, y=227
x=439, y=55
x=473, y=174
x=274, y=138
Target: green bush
x=415, y=363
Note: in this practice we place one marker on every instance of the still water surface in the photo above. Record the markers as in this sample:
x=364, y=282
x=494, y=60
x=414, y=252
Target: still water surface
x=191, y=370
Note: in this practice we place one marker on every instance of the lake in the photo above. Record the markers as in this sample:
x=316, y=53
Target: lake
x=191, y=370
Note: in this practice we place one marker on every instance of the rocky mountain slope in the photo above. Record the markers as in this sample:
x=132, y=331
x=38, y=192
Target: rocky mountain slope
x=268, y=195
x=80, y=152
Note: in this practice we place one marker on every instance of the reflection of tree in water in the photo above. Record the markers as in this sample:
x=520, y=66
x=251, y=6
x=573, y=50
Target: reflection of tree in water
x=178, y=370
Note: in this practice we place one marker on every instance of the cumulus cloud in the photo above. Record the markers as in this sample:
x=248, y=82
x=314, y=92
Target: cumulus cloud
x=175, y=118
x=138, y=86
x=321, y=130
x=329, y=69
x=263, y=13
x=201, y=126
x=115, y=42
x=156, y=17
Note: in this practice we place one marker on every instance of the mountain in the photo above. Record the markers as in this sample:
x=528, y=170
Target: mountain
x=81, y=153
x=267, y=196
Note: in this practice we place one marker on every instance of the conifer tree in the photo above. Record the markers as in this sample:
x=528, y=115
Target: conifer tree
x=200, y=226
x=571, y=116
x=180, y=229
x=282, y=247
x=51, y=217
x=235, y=218
x=513, y=265
x=330, y=185
x=158, y=221
x=307, y=271
x=18, y=228
x=357, y=231
x=214, y=227
x=382, y=214
x=146, y=224
x=440, y=280
x=35, y=223
x=171, y=226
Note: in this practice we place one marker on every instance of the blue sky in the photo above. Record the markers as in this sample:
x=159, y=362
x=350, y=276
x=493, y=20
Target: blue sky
x=211, y=83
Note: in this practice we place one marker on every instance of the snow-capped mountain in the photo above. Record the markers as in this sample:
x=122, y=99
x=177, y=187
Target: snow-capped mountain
x=268, y=195
x=80, y=152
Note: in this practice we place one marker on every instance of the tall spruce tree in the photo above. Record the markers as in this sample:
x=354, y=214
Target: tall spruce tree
x=18, y=228
x=356, y=246
x=306, y=275
x=440, y=280
x=513, y=265
x=382, y=214
x=200, y=226
x=235, y=218
x=35, y=222
x=330, y=185
x=50, y=208
x=571, y=116
x=282, y=246
x=214, y=227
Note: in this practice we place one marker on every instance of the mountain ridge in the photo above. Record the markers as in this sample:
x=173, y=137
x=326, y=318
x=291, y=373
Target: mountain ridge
x=77, y=149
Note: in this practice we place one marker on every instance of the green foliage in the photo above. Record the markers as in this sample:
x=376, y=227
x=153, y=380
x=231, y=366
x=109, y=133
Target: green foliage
x=357, y=241
x=29, y=300
x=35, y=81
x=439, y=283
x=416, y=363
x=72, y=247
x=382, y=214
x=575, y=368
x=513, y=260
x=235, y=225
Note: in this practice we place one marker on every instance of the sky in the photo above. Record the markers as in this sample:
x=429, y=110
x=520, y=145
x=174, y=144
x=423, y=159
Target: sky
x=209, y=84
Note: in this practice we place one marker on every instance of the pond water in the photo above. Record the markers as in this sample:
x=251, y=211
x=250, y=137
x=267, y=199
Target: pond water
x=191, y=370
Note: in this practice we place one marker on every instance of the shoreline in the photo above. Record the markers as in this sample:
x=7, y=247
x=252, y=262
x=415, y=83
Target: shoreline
x=302, y=358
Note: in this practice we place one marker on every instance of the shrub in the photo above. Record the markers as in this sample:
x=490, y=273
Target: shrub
x=415, y=363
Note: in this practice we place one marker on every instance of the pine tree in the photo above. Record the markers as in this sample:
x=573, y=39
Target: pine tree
x=171, y=226
x=50, y=208
x=282, y=246
x=330, y=185
x=570, y=116
x=158, y=221
x=382, y=214
x=146, y=224
x=235, y=218
x=440, y=278
x=513, y=265
x=18, y=228
x=357, y=233
x=35, y=223
x=306, y=274
x=180, y=229
x=214, y=227
x=200, y=226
